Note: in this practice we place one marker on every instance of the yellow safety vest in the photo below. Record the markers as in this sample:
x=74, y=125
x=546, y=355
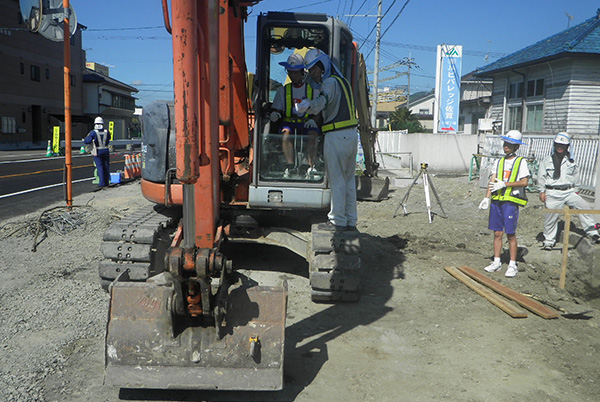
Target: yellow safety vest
x=289, y=103
x=346, y=116
x=506, y=193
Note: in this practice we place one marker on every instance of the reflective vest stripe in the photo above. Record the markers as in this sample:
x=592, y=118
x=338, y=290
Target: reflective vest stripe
x=289, y=103
x=102, y=139
x=347, y=111
x=507, y=192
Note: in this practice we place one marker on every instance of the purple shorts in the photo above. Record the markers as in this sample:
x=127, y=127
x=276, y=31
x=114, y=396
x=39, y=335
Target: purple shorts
x=298, y=128
x=503, y=217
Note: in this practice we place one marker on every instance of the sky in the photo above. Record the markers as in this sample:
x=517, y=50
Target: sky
x=130, y=38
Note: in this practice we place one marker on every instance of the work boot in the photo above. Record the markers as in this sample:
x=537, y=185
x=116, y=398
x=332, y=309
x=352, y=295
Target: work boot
x=596, y=239
x=330, y=226
x=493, y=267
x=512, y=271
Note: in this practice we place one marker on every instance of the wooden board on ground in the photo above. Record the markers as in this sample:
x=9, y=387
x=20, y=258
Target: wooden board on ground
x=494, y=298
x=531, y=305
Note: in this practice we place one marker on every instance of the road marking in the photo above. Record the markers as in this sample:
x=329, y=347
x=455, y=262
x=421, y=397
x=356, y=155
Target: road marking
x=42, y=188
x=51, y=170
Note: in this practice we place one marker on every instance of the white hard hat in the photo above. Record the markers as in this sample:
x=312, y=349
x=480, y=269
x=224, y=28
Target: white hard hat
x=99, y=120
x=313, y=56
x=513, y=137
x=562, y=138
x=294, y=63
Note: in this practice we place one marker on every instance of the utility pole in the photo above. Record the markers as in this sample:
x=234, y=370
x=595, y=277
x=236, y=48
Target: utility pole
x=376, y=72
x=408, y=88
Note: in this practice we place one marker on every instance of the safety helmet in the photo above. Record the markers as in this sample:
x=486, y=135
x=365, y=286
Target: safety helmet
x=513, y=137
x=562, y=138
x=294, y=63
x=99, y=120
x=313, y=56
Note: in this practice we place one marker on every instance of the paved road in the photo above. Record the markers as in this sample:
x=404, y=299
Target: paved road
x=29, y=180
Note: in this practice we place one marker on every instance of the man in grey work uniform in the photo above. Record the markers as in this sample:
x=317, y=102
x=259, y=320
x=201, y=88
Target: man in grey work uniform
x=336, y=103
x=558, y=176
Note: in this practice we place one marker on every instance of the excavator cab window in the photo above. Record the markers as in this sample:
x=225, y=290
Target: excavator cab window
x=289, y=151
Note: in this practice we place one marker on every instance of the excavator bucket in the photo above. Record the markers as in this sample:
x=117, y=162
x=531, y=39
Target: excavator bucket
x=372, y=188
x=147, y=348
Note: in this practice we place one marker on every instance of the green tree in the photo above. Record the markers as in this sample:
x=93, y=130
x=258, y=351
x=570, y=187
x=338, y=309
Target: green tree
x=403, y=119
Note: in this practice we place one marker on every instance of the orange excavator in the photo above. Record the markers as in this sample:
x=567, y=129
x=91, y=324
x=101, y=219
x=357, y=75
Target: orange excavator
x=180, y=314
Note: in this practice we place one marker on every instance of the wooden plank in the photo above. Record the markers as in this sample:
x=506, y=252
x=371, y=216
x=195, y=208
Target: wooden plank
x=492, y=297
x=531, y=305
x=565, y=250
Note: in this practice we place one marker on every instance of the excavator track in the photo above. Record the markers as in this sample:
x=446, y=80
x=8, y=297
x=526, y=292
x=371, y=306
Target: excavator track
x=335, y=266
x=136, y=244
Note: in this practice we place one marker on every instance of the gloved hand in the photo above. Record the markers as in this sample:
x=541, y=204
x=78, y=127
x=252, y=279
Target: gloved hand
x=310, y=123
x=497, y=185
x=302, y=107
x=275, y=116
x=485, y=203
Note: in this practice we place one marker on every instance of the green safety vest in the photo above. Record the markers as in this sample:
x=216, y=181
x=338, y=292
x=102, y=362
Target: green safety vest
x=289, y=104
x=505, y=194
x=346, y=116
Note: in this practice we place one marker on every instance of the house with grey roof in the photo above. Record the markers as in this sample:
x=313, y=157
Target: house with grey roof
x=550, y=86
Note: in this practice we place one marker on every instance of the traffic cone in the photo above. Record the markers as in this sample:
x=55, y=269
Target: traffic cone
x=49, y=149
x=82, y=150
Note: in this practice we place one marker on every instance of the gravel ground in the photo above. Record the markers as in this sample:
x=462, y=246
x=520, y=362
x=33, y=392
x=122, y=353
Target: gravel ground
x=417, y=334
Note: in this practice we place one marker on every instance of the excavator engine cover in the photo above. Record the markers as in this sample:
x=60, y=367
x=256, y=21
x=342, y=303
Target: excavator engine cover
x=144, y=349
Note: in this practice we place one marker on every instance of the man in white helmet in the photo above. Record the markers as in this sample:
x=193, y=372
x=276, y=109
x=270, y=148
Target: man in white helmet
x=336, y=103
x=510, y=176
x=558, y=177
x=99, y=137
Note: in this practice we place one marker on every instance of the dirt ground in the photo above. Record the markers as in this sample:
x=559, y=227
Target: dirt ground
x=417, y=334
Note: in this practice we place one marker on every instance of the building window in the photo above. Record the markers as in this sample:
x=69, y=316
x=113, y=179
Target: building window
x=535, y=117
x=535, y=88
x=22, y=68
x=123, y=102
x=423, y=111
x=9, y=125
x=35, y=73
x=73, y=81
x=515, y=117
x=515, y=90
x=47, y=73
x=23, y=117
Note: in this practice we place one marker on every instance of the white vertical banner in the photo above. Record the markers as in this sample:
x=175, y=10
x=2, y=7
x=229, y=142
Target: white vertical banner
x=447, y=88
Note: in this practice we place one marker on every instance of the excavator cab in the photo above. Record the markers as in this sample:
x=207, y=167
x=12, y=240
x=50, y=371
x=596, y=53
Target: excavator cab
x=290, y=169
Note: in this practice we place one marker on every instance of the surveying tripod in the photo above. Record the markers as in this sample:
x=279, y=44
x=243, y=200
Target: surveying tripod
x=427, y=182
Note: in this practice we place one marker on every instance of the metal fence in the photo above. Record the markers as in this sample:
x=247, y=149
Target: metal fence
x=584, y=149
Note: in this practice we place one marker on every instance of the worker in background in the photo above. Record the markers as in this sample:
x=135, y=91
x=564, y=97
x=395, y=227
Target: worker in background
x=510, y=176
x=336, y=103
x=99, y=138
x=294, y=122
x=558, y=177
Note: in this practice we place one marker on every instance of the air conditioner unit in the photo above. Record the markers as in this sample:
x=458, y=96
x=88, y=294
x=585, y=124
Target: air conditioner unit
x=485, y=124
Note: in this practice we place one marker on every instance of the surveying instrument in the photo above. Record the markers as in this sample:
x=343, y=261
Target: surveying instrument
x=427, y=182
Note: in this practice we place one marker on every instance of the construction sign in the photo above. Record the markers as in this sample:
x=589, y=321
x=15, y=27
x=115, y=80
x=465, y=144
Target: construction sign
x=447, y=88
x=56, y=140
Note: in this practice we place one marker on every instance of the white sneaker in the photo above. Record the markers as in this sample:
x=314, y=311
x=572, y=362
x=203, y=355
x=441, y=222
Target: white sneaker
x=548, y=245
x=493, y=267
x=310, y=173
x=512, y=271
x=286, y=174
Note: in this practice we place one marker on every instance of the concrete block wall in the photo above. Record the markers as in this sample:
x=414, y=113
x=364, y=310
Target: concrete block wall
x=444, y=153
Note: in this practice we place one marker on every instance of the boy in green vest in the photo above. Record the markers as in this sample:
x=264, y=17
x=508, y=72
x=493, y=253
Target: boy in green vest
x=509, y=178
x=294, y=122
